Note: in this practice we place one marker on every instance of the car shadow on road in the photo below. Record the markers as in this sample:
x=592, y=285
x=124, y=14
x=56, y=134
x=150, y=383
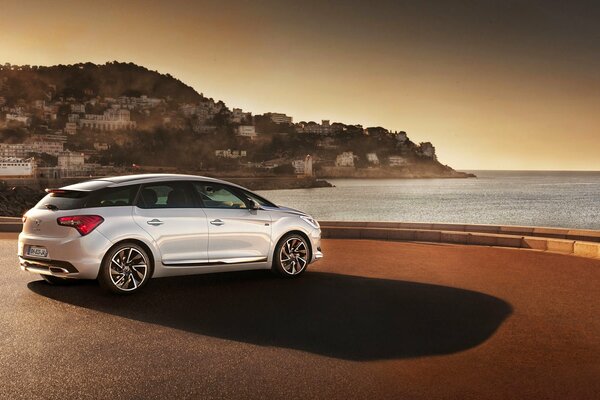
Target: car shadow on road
x=341, y=316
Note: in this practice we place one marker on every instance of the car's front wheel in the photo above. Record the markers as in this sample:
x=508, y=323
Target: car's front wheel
x=291, y=256
x=126, y=269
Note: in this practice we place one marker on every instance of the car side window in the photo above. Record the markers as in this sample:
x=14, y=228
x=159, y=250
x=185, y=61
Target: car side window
x=214, y=195
x=166, y=195
x=113, y=197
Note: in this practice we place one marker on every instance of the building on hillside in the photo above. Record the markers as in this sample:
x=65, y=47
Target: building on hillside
x=78, y=108
x=18, y=118
x=247, y=131
x=346, y=159
x=99, y=146
x=397, y=161
x=69, y=160
x=12, y=150
x=230, y=153
x=71, y=128
x=17, y=167
x=280, y=118
x=112, y=120
x=372, y=158
x=313, y=128
x=303, y=167
x=52, y=147
x=238, y=115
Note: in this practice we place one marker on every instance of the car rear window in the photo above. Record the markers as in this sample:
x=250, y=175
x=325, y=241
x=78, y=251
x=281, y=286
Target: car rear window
x=74, y=199
x=63, y=200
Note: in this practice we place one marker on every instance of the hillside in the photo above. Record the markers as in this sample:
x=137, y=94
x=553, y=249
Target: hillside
x=122, y=114
x=86, y=80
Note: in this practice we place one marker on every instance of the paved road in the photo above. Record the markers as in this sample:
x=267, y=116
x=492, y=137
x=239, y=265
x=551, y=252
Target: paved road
x=373, y=320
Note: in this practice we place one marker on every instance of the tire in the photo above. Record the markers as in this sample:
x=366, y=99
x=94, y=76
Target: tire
x=125, y=269
x=291, y=256
x=56, y=281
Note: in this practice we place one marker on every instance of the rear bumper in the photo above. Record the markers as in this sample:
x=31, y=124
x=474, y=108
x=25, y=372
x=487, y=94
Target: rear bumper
x=73, y=256
x=58, y=268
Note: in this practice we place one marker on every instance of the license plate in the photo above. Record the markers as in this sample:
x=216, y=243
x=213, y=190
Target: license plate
x=37, y=251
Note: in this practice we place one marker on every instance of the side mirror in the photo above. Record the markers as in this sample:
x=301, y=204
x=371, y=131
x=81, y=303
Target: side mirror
x=253, y=205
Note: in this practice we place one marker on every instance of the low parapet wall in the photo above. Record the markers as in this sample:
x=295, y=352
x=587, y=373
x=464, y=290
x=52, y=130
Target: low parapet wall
x=587, y=235
x=583, y=243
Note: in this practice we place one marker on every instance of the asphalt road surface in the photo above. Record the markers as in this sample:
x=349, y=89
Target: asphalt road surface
x=372, y=320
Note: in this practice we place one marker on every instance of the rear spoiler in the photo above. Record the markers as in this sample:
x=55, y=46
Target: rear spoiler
x=50, y=190
x=67, y=192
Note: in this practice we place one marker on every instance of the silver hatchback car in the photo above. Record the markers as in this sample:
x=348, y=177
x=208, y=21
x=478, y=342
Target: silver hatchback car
x=127, y=229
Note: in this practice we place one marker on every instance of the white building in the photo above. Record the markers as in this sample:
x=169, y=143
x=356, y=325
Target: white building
x=303, y=167
x=70, y=160
x=230, y=153
x=346, y=159
x=22, y=119
x=17, y=167
x=280, y=118
x=372, y=158
x=112, y=120
x=397, y=161
x=78, y=108
x=247, y=131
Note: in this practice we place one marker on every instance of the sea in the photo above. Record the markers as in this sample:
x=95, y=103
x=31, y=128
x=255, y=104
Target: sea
x=527, y=198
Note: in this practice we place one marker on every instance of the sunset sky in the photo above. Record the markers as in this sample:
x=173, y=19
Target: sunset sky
x=493, y=84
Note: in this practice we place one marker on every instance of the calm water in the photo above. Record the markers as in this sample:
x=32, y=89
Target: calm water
x=559, y=199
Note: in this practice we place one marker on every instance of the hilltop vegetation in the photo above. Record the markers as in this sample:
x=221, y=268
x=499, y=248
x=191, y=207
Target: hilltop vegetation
x=84, y=80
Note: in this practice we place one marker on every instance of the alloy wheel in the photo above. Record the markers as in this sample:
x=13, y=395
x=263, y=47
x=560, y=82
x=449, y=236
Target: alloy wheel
x=293, y=256
x=128, y=269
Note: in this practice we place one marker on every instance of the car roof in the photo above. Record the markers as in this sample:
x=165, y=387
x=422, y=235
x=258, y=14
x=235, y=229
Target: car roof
x=123, y=180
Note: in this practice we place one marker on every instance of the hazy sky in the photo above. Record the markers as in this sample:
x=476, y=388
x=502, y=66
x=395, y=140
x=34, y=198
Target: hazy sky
x=493, y=84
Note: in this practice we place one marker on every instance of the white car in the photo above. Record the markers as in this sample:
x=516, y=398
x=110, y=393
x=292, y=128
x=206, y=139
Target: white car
x=125, y=230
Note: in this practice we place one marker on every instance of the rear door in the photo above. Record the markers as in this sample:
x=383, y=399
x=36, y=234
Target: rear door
x=169, y=212
x=237, y=234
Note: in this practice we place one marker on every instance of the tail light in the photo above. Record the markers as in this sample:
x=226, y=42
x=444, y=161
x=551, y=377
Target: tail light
x=83, y=223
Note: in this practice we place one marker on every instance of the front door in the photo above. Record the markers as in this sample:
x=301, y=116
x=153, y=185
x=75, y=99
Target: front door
x=237, y=234
x=169, y=213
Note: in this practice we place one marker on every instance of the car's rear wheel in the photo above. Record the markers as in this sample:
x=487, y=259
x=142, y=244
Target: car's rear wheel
x=55, y=280
x=126, y=268
x=291, y=256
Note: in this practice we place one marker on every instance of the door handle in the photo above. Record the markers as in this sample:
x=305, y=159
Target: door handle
x=155, y=222
x=217, y=222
